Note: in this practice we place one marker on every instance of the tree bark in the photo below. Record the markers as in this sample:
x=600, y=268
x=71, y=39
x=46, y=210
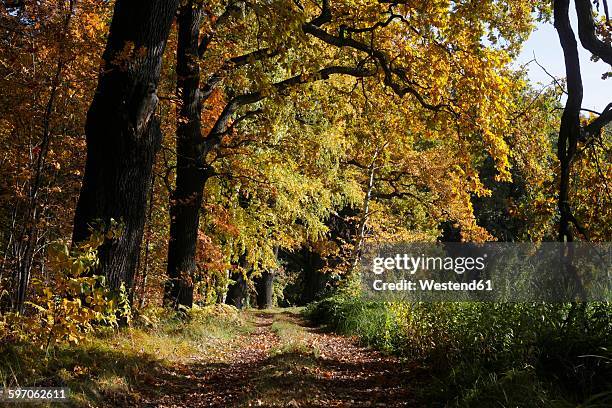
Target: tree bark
x=123, y=134
x=569, y=133
x=191, y=173
x=365, y=214
x=147, y=249
x=569, y=130
x=236, y=293
x=314, y=279
x=588, y=33
x=264, y=285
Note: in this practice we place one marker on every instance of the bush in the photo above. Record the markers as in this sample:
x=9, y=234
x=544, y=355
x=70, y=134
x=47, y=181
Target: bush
x=71, y=301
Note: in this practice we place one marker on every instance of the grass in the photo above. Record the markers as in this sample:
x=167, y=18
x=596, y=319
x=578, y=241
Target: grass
x=291, y=363
x=490, y=355
x=111, y=365
x=293, y=338
x=485, y=355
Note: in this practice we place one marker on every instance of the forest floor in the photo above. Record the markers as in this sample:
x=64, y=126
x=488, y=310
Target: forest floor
x=218, y=357
x=283, y=362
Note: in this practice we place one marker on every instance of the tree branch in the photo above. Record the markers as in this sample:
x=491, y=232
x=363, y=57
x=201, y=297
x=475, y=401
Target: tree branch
x=234, y=62
x=570, y=130
x=214, y=139
x=313, y=28
x=252, y=56
x=325, y=16
x=587, y=32
x=594, y=128
x=232, y=7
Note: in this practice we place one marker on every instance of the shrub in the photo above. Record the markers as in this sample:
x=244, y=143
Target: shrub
x=515, y=352
x=72, y=300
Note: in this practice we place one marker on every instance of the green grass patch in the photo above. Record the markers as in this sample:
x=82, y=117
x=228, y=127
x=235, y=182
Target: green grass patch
x=293, y=338
x=488, y=354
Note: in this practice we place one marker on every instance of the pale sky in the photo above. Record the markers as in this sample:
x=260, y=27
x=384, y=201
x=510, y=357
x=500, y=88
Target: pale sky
x=545, y=44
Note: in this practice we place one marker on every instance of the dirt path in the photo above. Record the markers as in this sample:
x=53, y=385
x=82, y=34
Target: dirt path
x=285, y=363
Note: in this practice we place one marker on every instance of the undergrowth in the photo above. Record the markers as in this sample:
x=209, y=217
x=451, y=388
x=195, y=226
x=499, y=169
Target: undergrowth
x=490, y=354
x=109, y=365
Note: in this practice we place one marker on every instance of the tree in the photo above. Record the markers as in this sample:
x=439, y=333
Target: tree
x=27, y=239
x=264, y=286
x=48, y=48
x=193, y=166
x=123, y=134
x=186, y=200
x=571, y=131
x=296, y=42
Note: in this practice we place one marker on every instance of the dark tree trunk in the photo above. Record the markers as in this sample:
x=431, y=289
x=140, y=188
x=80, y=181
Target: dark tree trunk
x=264, y=285
x=236, y=292
x=191, y=173
x=569, y=131
x=123, y=134
x=314, y=279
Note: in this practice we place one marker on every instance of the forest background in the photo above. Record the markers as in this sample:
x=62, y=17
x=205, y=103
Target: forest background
x=193, y=153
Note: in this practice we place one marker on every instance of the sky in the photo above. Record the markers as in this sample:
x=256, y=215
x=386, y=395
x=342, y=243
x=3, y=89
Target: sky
x=545, y=44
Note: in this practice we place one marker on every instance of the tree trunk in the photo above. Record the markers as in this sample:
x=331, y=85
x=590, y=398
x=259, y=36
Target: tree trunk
x=569, y=131
x=264, y=285
x=147, y=250
x=314, y=279
x=365, y=214
x=191, y=173
x=123, y=134
x=236, y=293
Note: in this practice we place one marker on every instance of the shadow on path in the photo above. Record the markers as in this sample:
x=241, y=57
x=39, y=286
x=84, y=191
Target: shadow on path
x=286, y=363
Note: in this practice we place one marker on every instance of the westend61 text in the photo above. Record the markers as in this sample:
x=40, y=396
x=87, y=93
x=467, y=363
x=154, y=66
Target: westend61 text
x=432, y=285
